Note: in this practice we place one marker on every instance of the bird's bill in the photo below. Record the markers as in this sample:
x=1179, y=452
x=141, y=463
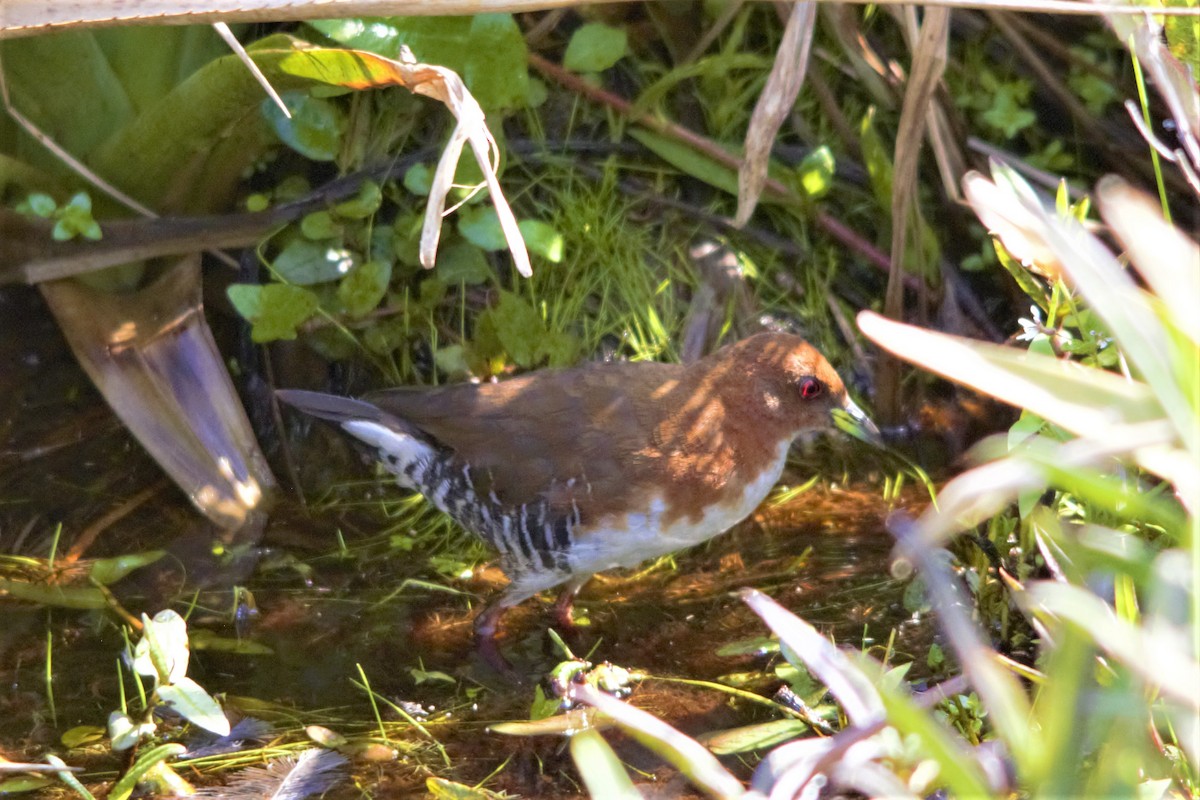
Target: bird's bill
x=862, y=426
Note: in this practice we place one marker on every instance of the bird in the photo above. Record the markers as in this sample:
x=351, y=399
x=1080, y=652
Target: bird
x=569, y=472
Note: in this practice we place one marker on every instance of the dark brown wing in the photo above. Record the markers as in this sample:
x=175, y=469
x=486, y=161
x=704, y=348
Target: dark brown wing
x=528, y=436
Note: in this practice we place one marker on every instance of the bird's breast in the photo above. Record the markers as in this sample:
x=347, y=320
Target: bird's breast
x=655, y=527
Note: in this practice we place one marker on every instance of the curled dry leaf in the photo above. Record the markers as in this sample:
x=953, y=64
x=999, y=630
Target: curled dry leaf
x=357, y=69
x=774, y=104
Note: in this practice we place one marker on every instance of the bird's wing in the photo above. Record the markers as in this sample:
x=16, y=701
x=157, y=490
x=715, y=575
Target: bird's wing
x=531, y=436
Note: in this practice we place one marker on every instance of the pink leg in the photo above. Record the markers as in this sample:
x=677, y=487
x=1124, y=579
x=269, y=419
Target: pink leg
x=564, y=607
x=485, y=638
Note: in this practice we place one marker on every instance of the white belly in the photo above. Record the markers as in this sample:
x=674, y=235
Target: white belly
x=644, y=536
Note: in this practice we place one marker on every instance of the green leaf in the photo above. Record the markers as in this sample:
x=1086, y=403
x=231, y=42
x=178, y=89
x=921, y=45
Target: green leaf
x=957, y=768
x=69, y=778
x=816, y=172
x=320, y=225
x=480, y=226
x=315, y=129
x=559, y=349
x=186, y=698
x=275, y=309
x=461, y=262
x=519, y=328
x=207, y=640
x=688, y=160
x=603, y=773
x=162, y=652
x=594, y=47
x=41, y=204
x=65, y=84
x=542, y=238
x=107, y=571
x=486, y=50
x=543, y=707
x=147, y=761
x=418, y=179
x=81, y=735
x=364, y=204
x=877, y=159
x=304, y=263
x=30, y=783
x=48, y=594
x=361, y=290
x=442, y=789
x=497, y=71
x=754, y=737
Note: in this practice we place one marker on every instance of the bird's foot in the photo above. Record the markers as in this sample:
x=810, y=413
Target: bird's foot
x=489, y=649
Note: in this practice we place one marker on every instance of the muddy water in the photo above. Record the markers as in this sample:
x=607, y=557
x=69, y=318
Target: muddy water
x=401, y=609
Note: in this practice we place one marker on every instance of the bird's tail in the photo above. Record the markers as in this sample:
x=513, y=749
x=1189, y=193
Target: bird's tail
x=331, y=406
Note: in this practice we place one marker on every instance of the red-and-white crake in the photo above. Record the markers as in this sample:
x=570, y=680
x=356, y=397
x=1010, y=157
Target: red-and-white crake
x=570, y=472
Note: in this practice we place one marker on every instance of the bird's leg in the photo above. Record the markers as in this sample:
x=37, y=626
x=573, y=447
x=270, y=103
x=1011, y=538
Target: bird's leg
x=564, y=607
x=485, y=638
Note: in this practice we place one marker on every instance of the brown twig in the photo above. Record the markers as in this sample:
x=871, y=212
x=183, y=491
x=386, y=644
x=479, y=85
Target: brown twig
x=124, y=509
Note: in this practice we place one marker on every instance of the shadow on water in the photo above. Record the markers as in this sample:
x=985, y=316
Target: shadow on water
x=344, y=587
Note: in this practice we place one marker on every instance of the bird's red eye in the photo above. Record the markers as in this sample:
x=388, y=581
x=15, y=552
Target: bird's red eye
x=810, y=388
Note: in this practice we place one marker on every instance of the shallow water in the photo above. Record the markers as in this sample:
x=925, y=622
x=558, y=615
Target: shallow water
x=324, y=610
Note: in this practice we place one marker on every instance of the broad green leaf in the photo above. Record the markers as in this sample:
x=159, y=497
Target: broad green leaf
x=480, y=226
x=486, y=50
x=361, y=290
x=186, y=698
x=594, y=47
x=151, y=60
x=48, y=594
x=364, y=204
x=519, y=328
x=418, y=179
x=275, y=310
x=20, y=785
x=603, y=773
x=81, y=735
x=304, y=263
x=40, y=204
x=66, y=86
x=315, y=128
x=194, y=144
x=462, y=262
x=496, y=71
x=320, y=225
x=542, y=238
x=559, y=349
x=110, y=570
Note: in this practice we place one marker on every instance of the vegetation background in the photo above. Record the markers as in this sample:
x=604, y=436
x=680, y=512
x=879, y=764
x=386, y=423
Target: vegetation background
x=681, y=174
